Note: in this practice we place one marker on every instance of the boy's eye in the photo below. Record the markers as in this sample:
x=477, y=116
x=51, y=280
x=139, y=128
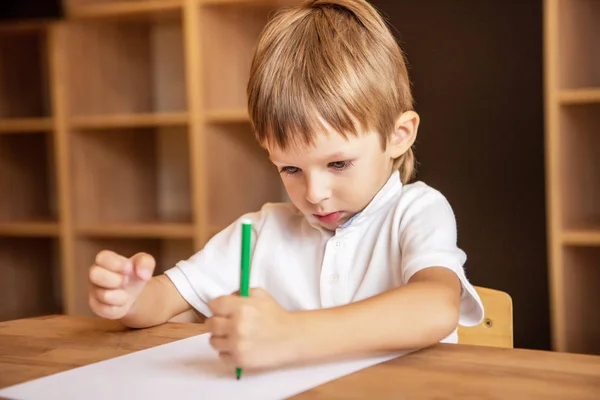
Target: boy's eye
x=290, y=170
x=340, y=165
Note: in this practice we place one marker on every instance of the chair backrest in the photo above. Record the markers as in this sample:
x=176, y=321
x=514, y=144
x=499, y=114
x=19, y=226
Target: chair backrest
x=496, y=329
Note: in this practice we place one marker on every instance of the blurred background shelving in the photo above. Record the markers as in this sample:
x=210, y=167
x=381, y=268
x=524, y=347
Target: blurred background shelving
x=123, y=126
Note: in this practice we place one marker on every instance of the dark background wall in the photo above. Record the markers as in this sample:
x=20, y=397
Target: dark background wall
x=30, y=9
x=476, y=68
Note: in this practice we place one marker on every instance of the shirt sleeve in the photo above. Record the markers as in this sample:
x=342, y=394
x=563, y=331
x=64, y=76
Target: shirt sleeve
x=214, y=270
x=428, y=238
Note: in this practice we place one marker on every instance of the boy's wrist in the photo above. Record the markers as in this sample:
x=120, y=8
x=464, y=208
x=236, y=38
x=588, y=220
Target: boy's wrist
x=295, y=340
x=298, y=322
x=310, y=336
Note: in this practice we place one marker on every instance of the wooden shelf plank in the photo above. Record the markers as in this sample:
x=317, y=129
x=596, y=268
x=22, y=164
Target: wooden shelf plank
x=25, y=125
x=29, y=228
x=129, y=120
x=582, y=237
x=579, y=96
x=138, y=230
x=227, y=116
x=125, y=9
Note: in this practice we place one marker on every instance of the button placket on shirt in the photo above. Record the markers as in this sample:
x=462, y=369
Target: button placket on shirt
x=332, y=273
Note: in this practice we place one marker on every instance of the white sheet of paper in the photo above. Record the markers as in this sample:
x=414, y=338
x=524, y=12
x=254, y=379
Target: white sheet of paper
x=184, y=369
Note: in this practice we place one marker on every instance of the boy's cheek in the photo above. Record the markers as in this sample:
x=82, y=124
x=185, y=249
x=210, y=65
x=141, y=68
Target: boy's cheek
x=294, y=193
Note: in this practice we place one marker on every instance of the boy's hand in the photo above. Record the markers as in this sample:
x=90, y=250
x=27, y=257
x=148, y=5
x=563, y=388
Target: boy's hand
x=116, y=282
x=253, y=332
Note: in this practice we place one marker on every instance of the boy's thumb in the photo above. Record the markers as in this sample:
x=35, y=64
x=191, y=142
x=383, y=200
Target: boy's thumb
x=143, y=265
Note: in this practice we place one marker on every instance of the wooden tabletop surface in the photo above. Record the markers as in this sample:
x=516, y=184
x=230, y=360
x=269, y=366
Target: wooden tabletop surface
x=36, y=347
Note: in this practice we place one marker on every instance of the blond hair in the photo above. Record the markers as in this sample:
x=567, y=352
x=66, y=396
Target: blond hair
x=334, y=60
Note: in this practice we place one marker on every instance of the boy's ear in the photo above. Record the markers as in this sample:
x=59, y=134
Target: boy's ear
x=404, y=134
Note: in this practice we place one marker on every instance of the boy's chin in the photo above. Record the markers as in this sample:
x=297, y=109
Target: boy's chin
x=329, y=227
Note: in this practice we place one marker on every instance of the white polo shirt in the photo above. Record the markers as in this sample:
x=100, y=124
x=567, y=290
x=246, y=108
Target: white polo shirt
x=404, y=229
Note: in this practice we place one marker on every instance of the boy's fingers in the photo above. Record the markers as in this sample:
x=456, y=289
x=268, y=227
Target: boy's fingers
x=218, y=326
x=226, y=358
x=218, y=306
x=225, y=306
x=113, y=261
x=104, y=278
x=219, y=343
x=259, y=293
x=106, y=311
x=143, y=265
x=111, y=297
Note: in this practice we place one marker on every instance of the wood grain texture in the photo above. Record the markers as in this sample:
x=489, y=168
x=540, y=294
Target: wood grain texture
x=448, y=371
x=32, y=348
x=37, y=347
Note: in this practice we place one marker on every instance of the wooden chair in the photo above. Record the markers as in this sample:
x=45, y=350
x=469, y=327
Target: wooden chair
x=496, y=329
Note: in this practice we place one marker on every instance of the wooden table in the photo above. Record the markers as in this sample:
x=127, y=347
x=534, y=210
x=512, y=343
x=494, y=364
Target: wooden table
x=36, y=347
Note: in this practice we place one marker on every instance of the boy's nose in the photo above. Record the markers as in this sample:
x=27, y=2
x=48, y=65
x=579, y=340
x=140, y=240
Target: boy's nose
x=317, y=190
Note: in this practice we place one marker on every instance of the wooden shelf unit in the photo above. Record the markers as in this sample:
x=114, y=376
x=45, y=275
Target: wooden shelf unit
x=572, y=97
x=29, y=254
x=131, y=134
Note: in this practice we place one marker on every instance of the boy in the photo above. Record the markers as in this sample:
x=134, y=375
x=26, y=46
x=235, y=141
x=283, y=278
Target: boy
x=361, y=261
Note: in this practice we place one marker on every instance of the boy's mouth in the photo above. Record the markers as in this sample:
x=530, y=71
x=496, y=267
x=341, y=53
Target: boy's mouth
x=329, y=218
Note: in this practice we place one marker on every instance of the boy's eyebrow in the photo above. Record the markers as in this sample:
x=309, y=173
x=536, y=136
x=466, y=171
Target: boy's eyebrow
x=337, y=156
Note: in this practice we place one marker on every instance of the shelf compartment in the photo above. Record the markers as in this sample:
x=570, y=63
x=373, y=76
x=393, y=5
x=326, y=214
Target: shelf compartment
x=23, y=75
x=241, y=177
x=580, y=165
x=228, y=54
x=130, y=176
x=27, y=179
x=167, y=253
x=80, y=9
x=143, y=230
x=578, y=55
x=121, y=69
x=30, y=269
x=581, y=297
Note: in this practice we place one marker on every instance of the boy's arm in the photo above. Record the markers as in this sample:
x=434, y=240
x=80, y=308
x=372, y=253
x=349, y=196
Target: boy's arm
x=413, y=316
x=158, y=302
x=256, y=332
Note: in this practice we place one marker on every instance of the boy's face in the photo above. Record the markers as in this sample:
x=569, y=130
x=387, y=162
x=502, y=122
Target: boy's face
x=337, y=177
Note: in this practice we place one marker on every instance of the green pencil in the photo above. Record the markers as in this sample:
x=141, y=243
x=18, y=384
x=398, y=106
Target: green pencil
x=245, y=272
